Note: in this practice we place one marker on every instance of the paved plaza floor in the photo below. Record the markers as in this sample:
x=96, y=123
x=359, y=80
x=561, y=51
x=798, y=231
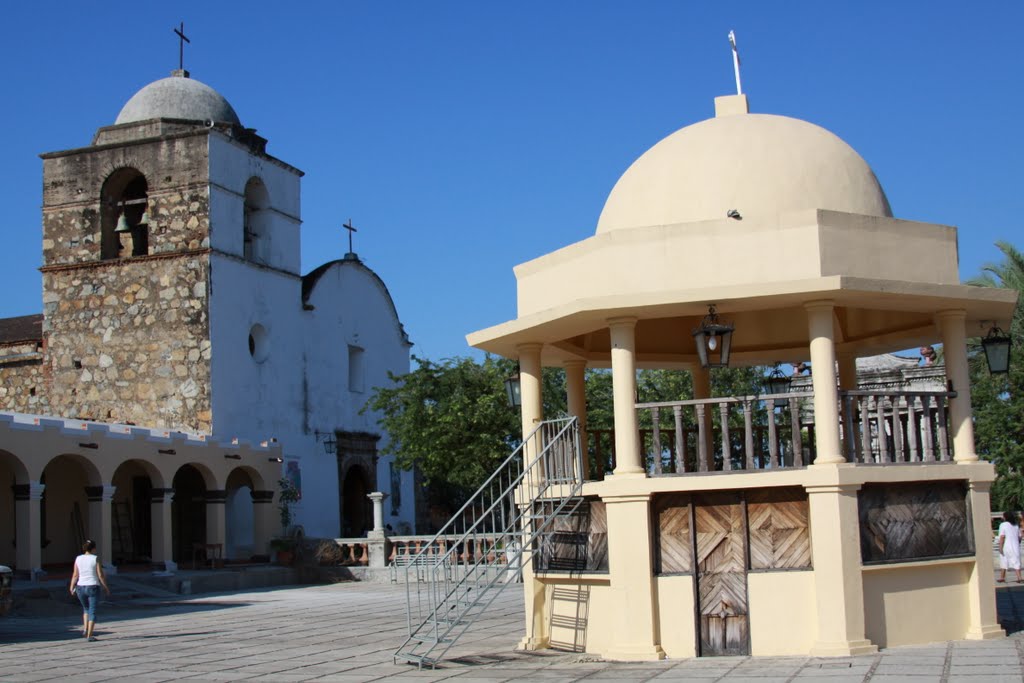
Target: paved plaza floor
x=347, y=632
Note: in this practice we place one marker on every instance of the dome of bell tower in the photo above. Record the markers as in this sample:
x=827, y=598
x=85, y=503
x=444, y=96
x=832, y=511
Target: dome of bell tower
x=178, y=97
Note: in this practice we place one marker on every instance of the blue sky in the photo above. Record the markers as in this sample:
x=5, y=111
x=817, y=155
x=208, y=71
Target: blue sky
x=463, y=138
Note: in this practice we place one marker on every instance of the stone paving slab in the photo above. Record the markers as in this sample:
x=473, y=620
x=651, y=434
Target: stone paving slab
x=347, y=632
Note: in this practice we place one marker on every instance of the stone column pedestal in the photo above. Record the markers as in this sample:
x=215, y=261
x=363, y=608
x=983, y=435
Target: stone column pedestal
x=29, y=554
x=160, y=528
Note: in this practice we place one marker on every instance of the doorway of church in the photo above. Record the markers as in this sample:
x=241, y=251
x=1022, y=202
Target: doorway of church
x=188, y=513
x=356, y=513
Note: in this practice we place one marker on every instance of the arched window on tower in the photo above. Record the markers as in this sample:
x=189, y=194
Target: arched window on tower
x=124, y=224
x=255, y=222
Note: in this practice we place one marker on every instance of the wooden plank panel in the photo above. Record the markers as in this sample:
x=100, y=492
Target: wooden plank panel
x=597, y=545
x=719, y=538
x=913, y=521
x=673, y=548
x=779, y=533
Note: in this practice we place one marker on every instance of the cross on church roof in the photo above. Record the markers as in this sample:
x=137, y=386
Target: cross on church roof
x=348, y=226
x=182, y=39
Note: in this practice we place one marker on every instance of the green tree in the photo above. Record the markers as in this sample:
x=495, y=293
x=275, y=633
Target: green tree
x=998, y=400
x=451, y=420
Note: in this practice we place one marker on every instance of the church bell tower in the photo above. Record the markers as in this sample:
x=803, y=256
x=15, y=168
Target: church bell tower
x=140, y=229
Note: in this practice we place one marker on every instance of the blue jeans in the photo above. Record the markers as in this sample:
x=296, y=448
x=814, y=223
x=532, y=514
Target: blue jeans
x=88, y=596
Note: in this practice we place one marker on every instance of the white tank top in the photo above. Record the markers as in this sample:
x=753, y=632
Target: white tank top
x=86, y=570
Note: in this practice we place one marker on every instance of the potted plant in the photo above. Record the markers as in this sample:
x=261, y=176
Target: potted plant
x=285, y=545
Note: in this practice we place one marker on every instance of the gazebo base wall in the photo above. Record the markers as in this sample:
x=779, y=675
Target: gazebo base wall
x=823, y=560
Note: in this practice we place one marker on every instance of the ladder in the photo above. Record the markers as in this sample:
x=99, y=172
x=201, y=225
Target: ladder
x=123, y=541
x=512, y=518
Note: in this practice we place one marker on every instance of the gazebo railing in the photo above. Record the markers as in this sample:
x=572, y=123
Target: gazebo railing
x=733, y=433
x=896, y=426
x=777, y=431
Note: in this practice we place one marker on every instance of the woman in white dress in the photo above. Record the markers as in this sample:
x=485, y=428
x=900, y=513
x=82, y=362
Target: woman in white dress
x=1009, y=545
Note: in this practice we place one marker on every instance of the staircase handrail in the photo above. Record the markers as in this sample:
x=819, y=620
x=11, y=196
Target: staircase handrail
x=441, y=559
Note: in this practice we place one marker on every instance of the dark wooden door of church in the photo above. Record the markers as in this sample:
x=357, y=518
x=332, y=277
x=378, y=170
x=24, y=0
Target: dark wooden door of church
x=721, y=551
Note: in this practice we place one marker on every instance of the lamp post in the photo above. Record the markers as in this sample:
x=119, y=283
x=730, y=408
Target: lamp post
x=996, y=345
x=714, y=340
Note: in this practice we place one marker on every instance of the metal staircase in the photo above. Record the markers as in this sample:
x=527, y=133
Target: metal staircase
x=456, y=576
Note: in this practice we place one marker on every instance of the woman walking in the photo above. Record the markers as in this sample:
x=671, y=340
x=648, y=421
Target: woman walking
x=85, y=583
x=1009, y=545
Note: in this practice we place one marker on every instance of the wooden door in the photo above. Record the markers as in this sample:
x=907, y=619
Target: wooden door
x=720, y=540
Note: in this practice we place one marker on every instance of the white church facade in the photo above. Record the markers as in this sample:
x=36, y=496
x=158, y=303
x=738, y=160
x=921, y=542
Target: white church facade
x=174, y=307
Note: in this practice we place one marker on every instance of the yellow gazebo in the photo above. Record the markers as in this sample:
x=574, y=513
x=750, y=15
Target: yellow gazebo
x=835, y=523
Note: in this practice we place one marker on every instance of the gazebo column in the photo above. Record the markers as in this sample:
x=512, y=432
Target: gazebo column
x=632, y=579
x=162, y=546
x=532, y=412
x=838, y=586
x=983, y=620
x=627, y=431
x=702, y=389
x=823, y=378
x=101, y=522
x=954, y=350
x=847, y=371
x=576, y=395
x=28, y=510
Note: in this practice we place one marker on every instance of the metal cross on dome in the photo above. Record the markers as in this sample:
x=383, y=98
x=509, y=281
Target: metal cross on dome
x=182, y=39
x=348, y=226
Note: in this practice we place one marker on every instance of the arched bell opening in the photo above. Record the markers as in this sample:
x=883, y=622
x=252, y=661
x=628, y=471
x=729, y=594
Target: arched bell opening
x=255, y=222
x=124, y=215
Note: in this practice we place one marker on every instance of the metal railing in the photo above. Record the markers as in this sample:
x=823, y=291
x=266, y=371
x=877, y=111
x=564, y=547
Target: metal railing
x=458, y=573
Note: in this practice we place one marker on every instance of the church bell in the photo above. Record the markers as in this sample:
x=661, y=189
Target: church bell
x=122, y=224
x=144, y=221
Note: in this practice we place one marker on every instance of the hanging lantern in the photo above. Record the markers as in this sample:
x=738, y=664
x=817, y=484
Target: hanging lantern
x=714, y=340
x=513, y=389
x=776, y=382
x=996, y=345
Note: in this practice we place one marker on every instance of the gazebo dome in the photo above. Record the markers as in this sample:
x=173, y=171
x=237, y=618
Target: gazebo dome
x=757, y=165
x=178, y=97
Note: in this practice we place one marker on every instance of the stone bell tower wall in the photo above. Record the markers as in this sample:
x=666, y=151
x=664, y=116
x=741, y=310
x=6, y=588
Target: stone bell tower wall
x=128, y=341
x=127, y=329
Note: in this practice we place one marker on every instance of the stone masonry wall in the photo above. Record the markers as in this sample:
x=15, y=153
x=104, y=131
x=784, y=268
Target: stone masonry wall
x=22, y=382
x=129, y=341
